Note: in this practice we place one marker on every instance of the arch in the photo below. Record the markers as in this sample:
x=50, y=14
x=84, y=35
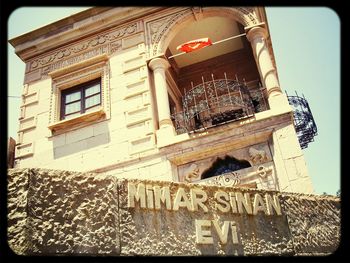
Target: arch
x=225, y=165
x=164, y=29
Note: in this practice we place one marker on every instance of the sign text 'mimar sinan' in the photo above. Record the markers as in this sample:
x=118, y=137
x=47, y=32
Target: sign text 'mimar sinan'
x=152, y=196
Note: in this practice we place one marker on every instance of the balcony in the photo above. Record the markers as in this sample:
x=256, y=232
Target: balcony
x=218, y=102
x=304, y=123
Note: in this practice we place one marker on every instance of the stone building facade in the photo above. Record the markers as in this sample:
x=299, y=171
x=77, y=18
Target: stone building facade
x=105, y=92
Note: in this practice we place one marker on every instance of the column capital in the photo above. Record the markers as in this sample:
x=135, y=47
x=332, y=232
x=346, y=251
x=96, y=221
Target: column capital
x=257, y=32
x=158, y=63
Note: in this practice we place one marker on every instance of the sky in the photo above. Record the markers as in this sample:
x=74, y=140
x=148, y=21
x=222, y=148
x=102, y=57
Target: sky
x=306, y=43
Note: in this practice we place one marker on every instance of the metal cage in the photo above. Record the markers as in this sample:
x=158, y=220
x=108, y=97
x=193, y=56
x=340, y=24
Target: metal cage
x=304, y=122
x=217, y=102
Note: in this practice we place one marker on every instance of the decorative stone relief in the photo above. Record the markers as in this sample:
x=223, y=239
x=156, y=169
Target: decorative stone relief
x=244, y=176
x=257, y=156
x=159, y=28
x=228, y=179
x=104, y=43
x=247, y=14
x=193, y=174
x=260, y=172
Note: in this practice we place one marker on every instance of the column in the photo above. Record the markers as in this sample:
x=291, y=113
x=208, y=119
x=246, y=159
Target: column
x=277, y=100
x=166, y=128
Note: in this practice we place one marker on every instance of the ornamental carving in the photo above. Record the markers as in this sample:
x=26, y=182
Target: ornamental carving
x=246, y=16
x=257, y=156
x=159, y=28
x=104, y=43
x=194, y=174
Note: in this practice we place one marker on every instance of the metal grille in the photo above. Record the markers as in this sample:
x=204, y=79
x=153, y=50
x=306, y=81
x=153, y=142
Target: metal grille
x=217, y=102
x=304, y=122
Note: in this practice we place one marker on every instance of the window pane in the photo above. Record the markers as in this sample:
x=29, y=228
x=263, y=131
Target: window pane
x=72, y=107
x=92, y=101
x=72, y=97
x=92, y=90
x=91, y=109
x=72, y=116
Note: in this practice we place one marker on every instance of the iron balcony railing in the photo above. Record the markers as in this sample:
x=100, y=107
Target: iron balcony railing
x=217, y=102
x=304, y=122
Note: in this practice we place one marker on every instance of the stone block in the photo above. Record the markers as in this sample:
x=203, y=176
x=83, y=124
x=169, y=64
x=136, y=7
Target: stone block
x=27, y=123
x=24, y=150
x=134, y=102
x=58, y=140
x=142, y=144
x=135, y=88
x=131, y=75
x=138, y=115
x=139, y=130
x=97, y=140
x=100, y=128
x=31, y=99
x=288, y=142
x=70, y=149
x=28, y=136
x=79, y=134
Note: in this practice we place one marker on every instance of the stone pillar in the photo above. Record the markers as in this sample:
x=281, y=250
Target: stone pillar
x=277, y=100
x=166, y=128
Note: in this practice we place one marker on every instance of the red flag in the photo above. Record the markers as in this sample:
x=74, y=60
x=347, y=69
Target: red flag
x=194, y=45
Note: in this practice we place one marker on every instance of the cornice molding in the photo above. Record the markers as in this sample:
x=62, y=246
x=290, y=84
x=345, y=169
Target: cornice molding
x=70, y=29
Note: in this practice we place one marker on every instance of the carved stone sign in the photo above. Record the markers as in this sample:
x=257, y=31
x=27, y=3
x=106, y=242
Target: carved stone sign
x=68, y=213
x=212, y=220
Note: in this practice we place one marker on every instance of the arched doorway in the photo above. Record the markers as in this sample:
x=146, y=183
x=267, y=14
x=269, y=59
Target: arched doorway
x=224, y=165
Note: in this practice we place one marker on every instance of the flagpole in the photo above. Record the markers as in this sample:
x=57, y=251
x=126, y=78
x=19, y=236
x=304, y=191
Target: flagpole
x=217, y=42
x=176, y=55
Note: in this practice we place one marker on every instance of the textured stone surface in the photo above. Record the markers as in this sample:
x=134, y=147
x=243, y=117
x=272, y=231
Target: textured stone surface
x=67, y=213
x=58, y=212
x=314, y=222
x=17, y=187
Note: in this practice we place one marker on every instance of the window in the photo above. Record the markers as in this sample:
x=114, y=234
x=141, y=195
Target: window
x=80, y=99
x=80, y=95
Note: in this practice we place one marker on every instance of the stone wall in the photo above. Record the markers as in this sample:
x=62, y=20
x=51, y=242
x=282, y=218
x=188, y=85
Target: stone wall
x=53, y=212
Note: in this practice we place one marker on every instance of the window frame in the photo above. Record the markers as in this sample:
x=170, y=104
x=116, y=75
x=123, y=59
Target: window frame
x=82, y=90
x=71, y=77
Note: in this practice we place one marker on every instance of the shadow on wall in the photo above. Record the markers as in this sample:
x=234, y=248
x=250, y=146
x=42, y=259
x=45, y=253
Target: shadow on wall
x=80, y=140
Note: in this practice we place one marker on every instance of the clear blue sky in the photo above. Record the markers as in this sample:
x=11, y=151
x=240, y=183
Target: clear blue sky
x=306, y=44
